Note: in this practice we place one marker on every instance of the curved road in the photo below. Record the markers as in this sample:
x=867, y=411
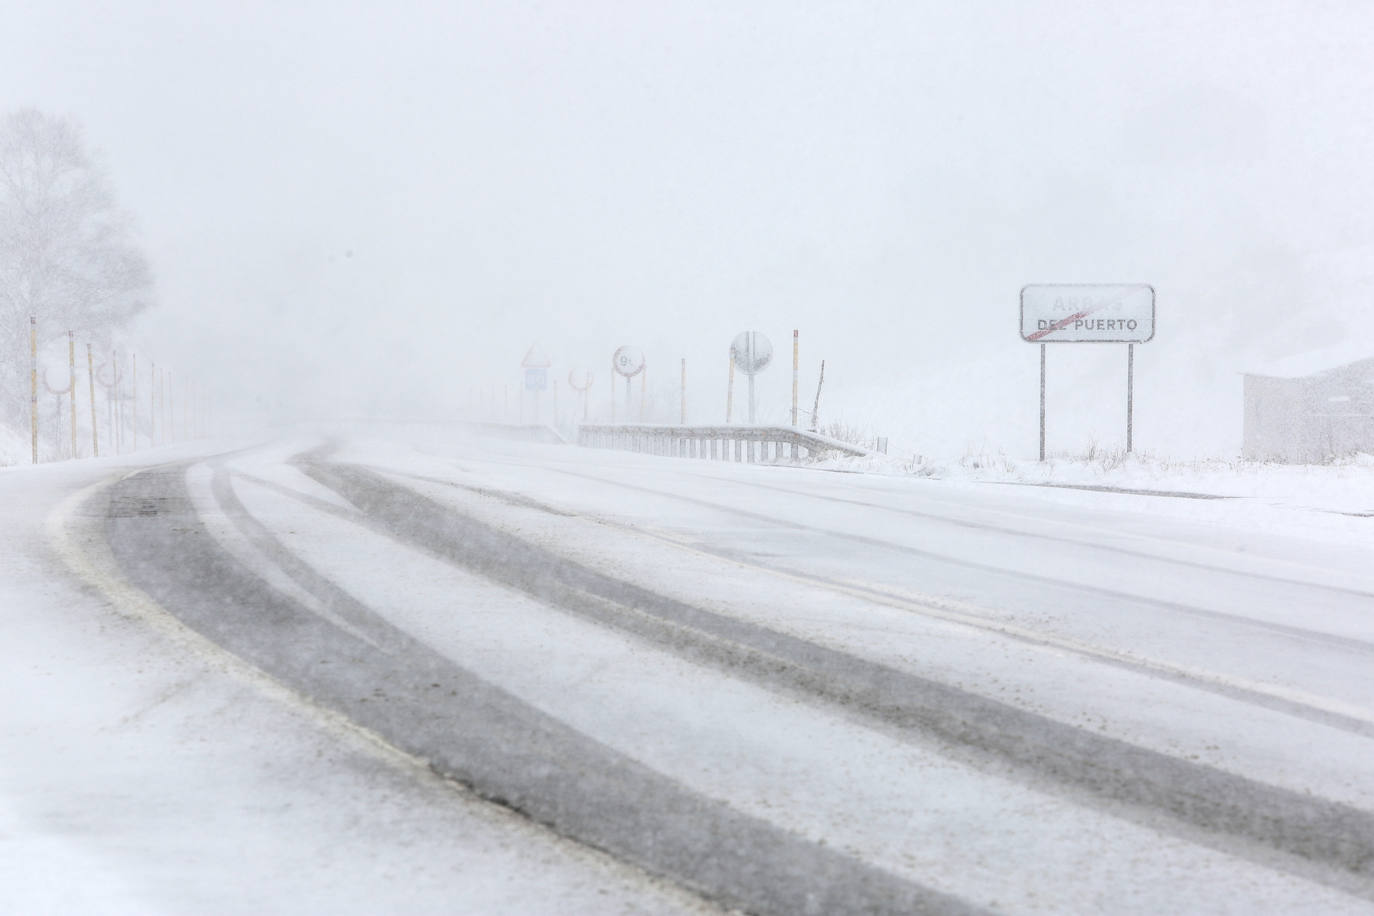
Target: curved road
x=789, y=691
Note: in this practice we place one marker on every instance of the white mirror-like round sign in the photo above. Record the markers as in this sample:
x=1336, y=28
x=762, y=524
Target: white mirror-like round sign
x=581, y=379
x=751, y=352
x=628, y=361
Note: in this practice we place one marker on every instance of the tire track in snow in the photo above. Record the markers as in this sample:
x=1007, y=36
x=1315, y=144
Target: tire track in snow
x=1057, y=538
x=476, y=733
x=1218, y=803
x=1290, y=702
x=1345, y=643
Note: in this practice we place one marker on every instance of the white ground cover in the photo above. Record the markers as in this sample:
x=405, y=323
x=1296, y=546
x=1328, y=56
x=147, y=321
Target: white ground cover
x=170, y=778
x=898, y=805
x=142, y=771
x=1067, y=677
x=1344, y=486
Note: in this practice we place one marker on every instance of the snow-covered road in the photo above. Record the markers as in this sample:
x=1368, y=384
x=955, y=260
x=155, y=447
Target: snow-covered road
x=775, y=689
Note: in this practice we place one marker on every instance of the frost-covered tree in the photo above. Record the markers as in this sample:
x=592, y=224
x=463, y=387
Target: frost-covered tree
x=67, y=255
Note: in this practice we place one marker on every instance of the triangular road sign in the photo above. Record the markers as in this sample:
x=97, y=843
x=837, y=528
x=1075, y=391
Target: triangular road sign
x=535, y=358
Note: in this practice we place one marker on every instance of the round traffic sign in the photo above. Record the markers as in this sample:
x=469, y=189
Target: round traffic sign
x=581, y=379
x=628, y=361
x=751, y=352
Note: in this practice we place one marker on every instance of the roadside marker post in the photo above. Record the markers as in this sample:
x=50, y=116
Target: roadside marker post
x=134, y=363
x=90, y=377
x=113, y=402
x=816, y=408
x=57, y=413
x=71, y=382
x=796, y=352
x=33, y=384
x=1089, y=313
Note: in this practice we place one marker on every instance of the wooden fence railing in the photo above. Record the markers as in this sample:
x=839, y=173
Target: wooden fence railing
x=767, y=444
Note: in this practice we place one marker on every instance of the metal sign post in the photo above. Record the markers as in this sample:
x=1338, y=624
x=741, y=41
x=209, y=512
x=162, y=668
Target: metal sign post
x=751, y=352
x=1042, y=402
x=113, y=401
x=57, y=413
x=627, y=361
x=536, y=365
x=1130, y=395
x=581, y=380
x=33, y=384
x=1088, y=313
x=71, y=383
x=730, y=389
x=90, y=378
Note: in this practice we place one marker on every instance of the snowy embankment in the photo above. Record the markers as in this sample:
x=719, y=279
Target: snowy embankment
x=1345, y=486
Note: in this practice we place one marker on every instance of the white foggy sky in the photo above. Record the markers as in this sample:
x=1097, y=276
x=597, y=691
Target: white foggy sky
x=884, y=176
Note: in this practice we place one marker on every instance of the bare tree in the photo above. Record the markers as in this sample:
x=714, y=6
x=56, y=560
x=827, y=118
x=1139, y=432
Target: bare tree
x=66, y=250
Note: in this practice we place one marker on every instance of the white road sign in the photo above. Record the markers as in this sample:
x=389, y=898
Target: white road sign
x=1086, y=313
x=628, y=361
x=751, y=352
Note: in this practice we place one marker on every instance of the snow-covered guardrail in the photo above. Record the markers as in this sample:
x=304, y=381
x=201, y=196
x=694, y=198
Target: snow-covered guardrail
x=715, y=443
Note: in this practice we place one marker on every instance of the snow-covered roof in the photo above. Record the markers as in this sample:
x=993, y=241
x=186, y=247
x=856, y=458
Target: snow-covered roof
x=1317, y=362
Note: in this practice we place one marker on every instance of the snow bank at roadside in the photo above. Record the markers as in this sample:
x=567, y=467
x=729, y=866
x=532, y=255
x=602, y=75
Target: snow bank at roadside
x=14, y=448
x=1345, y=486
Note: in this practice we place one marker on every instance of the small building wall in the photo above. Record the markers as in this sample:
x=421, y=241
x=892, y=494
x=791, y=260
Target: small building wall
x=1310, y=419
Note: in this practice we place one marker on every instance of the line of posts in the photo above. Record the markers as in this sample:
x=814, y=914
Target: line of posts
x=161, y=401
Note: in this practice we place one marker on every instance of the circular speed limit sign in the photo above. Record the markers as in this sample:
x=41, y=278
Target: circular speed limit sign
x=628, y=361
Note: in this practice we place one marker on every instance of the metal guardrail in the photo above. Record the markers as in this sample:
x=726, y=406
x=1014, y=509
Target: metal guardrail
x=767, y=444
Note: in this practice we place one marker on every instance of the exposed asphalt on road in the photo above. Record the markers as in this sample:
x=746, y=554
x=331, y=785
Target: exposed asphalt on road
x=353, y=661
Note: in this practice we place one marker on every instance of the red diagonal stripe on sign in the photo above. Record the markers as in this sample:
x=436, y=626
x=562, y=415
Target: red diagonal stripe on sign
x=1065, y=322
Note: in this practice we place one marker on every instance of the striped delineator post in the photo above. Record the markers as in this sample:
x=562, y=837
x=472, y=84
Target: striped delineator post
x=33, y=384
x=71, y=382
x=90, y=375
x=796, y=352
x=134, y=446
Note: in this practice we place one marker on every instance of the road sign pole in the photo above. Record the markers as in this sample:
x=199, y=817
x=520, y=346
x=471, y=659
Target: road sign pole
x=1130, y=396
x=684, y=391
x=1042, y=402
x=33, y=384
x=795, y=354
x=90, y=378
x=730, y=390
x=71, y=384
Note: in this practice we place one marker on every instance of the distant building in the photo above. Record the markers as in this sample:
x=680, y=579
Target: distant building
x=1310, y=409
